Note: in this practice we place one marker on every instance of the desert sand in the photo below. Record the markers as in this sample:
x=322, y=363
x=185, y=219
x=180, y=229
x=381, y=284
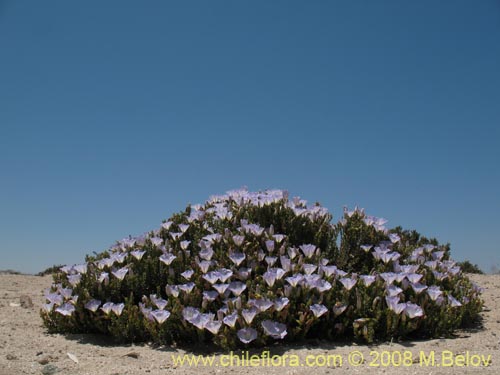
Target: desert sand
x=26, y=347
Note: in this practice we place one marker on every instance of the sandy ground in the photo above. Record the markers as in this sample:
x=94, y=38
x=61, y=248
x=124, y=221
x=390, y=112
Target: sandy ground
x=26, y=348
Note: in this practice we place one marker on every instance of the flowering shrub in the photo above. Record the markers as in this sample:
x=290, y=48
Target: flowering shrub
x=250, y=268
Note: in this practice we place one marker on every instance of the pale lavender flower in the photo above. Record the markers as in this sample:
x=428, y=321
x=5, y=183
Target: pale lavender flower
x=280, y=303
x=210, y=295
x=414, y=277
x=261, y=255
x=368, y=279
x=221, y=288
x=270, y=245
x=137, y=254
x=439, y=275
x=175, y=235
x=432, y=264
x=119, y=257
x=348, y=282
x=318, y=310
x=412, y=310
x=418, y=288
x=292, y=252
x=366, y=248
x=237, y=287
x=107, y=307
x=187, y=288
x=167, y=258
x=204, y=265
x=394, y=305
x=238, y=240
x=262, y=304
x=66, y=309
x=160, y=315
x=339, y=308
x=172, y=290
x=159, y=302
x=156, y=241
x=270, y=260
x=230, y=320
x=183, y=227
x=106, y=262
x=104, y=276
x=213, y=326
x=394, y=237
x=47, y=307
x=249, y=314
x=74, y=280
x=185, y=244
x=81, y=268
x=279, y=237
x=453, y=301
x=389, y=277
x=187, y=274
x=308, y=250
x=244, y=273
x=274, y=329
x=66, y=269
x=225, y=274
x=434, y=292
x=190, y=313
x=393, y=290
x=309, y=268
x=118, y=308
x=93, y=305
x=120, y=273
x=212, y=277
x=66, y=292
x=329, y=270
x=206, y=253
x=322, y=285
x=437, y=255
x=286, y=263
x=409, y=268
x=247, y=335
x=237, y=258
x=167, y=225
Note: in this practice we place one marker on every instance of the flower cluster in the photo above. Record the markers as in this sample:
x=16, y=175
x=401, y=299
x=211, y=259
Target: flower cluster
x=249, y=268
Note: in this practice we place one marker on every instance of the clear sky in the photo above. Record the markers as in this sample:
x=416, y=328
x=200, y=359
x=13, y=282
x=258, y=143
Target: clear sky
x=116, y=114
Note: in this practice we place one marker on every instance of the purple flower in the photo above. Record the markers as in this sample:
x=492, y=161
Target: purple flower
x=167, y=258
x=292, y=252
x=175, y=235
x=206, y=253
x=414, y=277
x=238, y=240
x=308, y=250
x=93, y=305
x=280, y=303
x=187, y=288
x=210, y=295
x=66, y=292
x=160, y=315
x=318, y=310
x=418, y=288
x=107, y=307
x=159, y=302
x=243, y=273
x=172, y=290
x=74, y=280
x=286, y=263
x=137, y=254
x=106, y=262
x=204, y=265
x=190, y=313
x=309, y=268
x=249, y=314
x=212, y=277
x=117, y=308
x=230, y=320
x=434, y=292
x=120, y=273
x=368, y=279
x=394, y=237
x=167, y=225
x=104, y=276
x=295, y=279
x=220, y=288
x=237, y=287
x=185, y=244
x=213, y=326
x=279, y=237
x=274, y=329
x=389, y=277
x=348, y=283
x=322, y=285
x=453, y=301
x=394, y=305
x=366, y=248
x=393, y=291
x=47, y=307
x=270, y=260
x=270, y=245
x=329, y=270
x=262, y=304
x=412, y=310
x=247, y=335
x=81, y=268
x=237, y=258
x=156, y=241
x=66, y=309
x=183, y=227
x=187, y=274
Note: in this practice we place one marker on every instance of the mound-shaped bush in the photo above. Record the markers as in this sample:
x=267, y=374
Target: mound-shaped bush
x=250, y=268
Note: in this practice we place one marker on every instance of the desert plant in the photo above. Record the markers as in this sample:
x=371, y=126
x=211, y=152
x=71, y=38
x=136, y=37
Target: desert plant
x=250, y=268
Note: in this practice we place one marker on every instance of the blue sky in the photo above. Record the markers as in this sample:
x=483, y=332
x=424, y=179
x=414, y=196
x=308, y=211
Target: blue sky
x=116, y=114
